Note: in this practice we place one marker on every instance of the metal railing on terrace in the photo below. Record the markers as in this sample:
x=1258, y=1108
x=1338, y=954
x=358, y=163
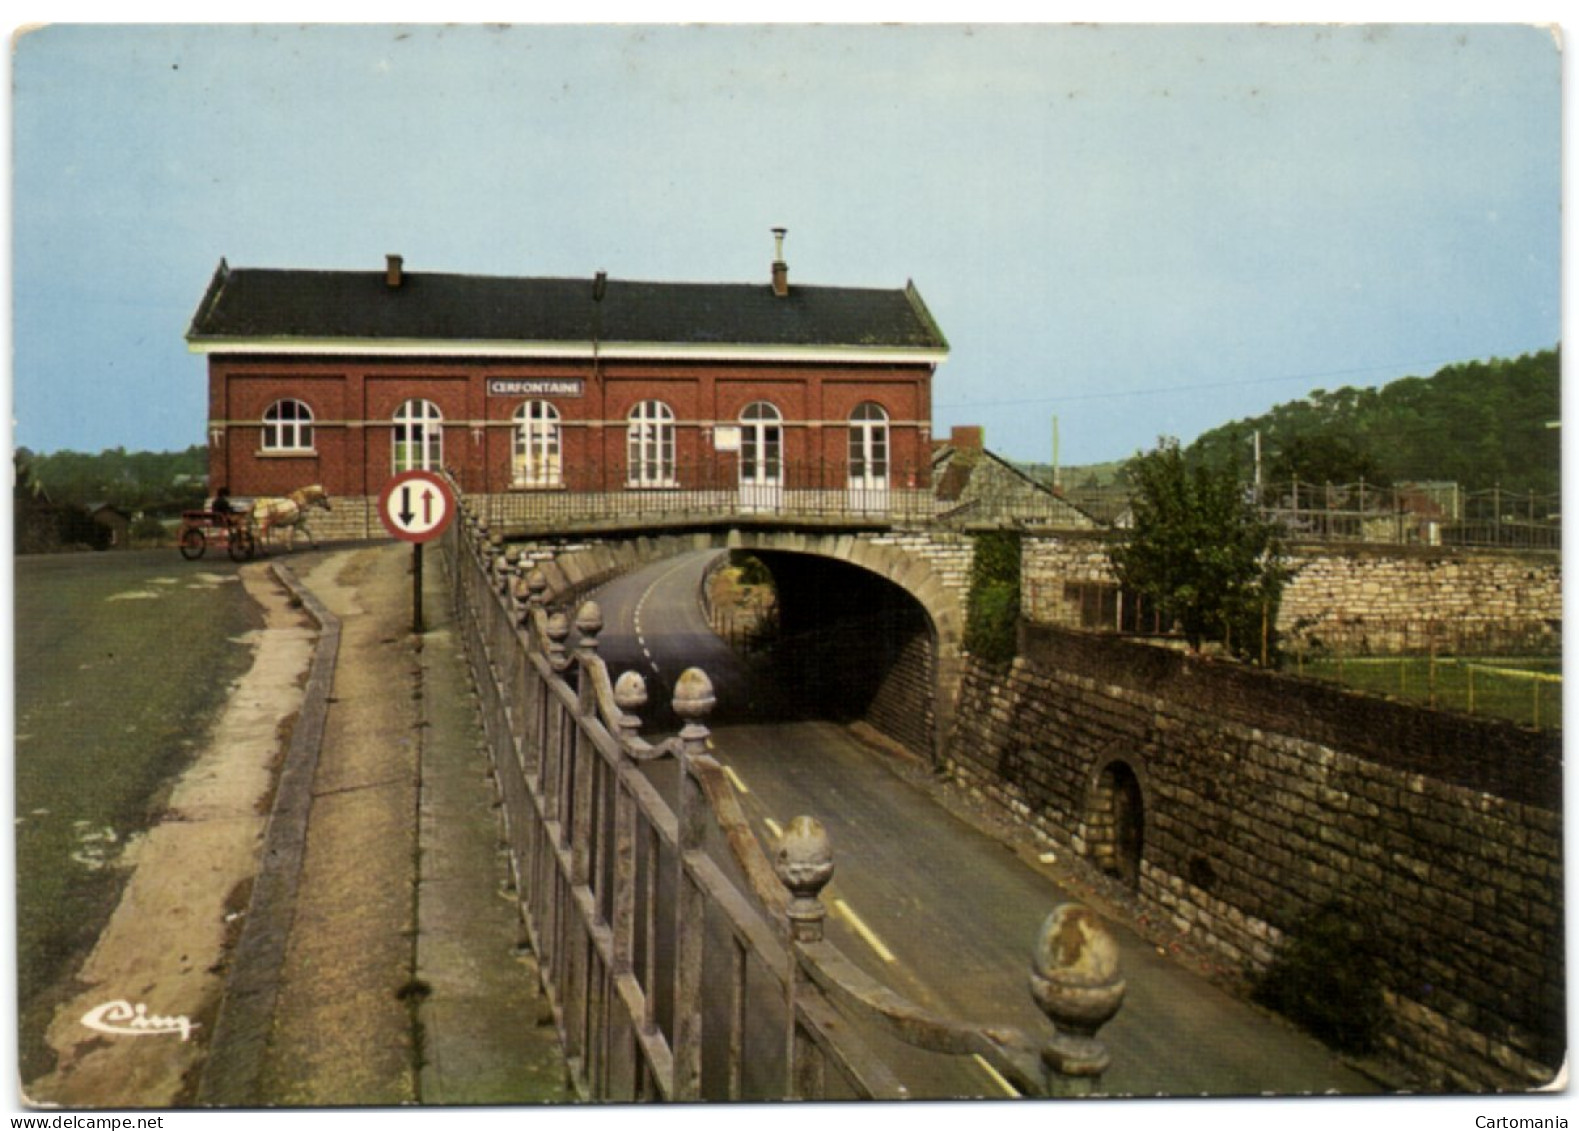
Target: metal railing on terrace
x=682, y=958
x=1424, y=514
x=710, y=489
x=896, y=494
x=1435, y=515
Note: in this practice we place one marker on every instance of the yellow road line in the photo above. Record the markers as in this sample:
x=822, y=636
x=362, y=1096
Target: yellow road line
x=734, y=779
x=863, y=930
x=995, y=1074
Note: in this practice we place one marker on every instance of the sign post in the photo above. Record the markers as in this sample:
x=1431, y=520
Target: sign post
x=416, y=506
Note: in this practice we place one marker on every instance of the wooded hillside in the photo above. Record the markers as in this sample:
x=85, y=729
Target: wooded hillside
x=1480, y=424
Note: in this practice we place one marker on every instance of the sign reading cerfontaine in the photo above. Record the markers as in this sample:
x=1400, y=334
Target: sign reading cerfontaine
x=536, y=386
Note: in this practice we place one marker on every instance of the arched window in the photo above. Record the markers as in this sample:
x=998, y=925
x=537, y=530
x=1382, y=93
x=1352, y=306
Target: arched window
x=761, y=457
x=288, y=427
x=537, y=445
x=650, y=446
x=869, y=447
x=761, y=444
x=419, y=437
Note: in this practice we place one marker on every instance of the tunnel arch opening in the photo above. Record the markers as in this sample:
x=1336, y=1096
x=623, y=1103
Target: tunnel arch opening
x=852, y=646
x=579, y=567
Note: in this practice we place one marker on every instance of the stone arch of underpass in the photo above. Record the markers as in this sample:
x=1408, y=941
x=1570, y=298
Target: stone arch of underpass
x=575, y=568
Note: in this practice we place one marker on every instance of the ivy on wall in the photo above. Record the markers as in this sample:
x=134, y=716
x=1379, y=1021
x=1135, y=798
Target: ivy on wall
x=993, y=602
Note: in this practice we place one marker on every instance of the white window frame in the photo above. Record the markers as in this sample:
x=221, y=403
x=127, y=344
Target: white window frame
x=537, y=460
x=288, y=427
x=422, y=424
x=870, y=454
x=650, y=445
x=762, y=444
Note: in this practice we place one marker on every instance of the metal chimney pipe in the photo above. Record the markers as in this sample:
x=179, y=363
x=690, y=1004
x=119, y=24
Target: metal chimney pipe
x=780, y=268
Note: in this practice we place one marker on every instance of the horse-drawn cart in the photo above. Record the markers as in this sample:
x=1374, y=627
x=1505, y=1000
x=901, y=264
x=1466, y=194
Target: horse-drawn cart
x=245, y=531
x=230, y=531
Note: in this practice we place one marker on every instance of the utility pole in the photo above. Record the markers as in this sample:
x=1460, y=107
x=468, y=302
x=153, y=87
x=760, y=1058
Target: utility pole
x=1055, y=452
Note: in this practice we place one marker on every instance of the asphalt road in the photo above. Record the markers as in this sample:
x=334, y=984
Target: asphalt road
x=121, y=662
x=941, y=912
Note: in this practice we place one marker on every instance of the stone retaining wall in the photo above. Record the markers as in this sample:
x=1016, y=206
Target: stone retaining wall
x=1263, y=799
x=1356, y=600
x=1409, y=601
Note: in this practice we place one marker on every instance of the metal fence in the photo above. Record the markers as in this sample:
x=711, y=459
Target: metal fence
x=706, y=488
x=1434, y=514
x=683, y=962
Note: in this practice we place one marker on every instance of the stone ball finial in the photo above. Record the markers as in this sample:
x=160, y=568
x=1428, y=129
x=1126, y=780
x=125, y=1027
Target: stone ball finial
x=693, y=695
x=630, y=696
x=805, y=857
x=1074, y=970
x=558, y=629
x=589, y=620
x=804, y=865
x=630, y=692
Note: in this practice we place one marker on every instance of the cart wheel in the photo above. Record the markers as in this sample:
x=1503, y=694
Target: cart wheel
x=242, y=546
x=193, y=544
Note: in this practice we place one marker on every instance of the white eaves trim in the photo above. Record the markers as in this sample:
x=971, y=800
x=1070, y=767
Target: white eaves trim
x=615, y=351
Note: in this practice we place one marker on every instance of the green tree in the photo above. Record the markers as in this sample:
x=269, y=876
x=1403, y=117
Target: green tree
x=1325, y=457
x=164, y=481
x=1200, y=551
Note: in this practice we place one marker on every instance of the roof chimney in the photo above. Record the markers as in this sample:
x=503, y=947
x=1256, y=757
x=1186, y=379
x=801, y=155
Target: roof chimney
x=780, y=268
x=393, y=274
x=968, y=437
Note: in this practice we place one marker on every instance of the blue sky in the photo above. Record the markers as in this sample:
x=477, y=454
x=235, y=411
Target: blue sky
x=1142, y=230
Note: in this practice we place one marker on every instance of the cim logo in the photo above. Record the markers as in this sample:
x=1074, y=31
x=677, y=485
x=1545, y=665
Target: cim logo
x=124, y=1019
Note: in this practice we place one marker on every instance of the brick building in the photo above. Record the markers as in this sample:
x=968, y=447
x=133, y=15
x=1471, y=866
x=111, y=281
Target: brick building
x=534, y=385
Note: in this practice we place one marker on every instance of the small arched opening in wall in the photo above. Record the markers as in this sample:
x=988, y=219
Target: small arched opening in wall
x=1115, y=824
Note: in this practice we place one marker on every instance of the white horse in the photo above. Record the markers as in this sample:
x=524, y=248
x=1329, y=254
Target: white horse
x=289, y=512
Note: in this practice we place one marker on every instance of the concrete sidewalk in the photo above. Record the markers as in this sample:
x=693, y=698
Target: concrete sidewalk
x=487, y=1033
x=400, y=982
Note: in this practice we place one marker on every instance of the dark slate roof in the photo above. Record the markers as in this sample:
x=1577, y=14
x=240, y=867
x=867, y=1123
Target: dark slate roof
x=253, y=303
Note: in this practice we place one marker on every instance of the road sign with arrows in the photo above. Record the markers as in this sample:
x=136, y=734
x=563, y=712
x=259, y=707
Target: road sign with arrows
x=416, y=506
